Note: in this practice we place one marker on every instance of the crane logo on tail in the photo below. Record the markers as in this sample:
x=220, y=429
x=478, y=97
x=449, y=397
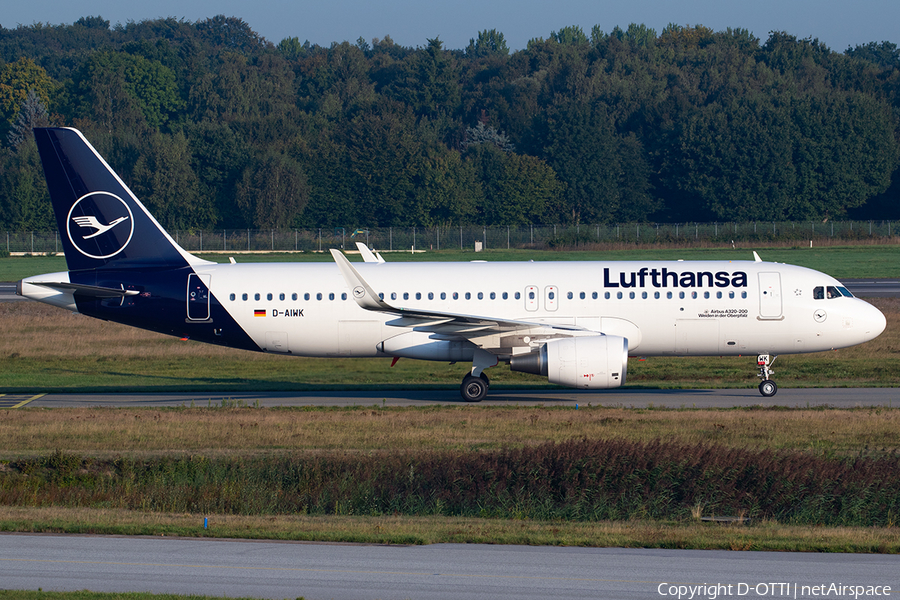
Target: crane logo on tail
x=100, y=225
x=95, y=224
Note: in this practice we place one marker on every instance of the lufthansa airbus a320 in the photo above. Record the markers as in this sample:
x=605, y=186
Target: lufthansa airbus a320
x=575, y=323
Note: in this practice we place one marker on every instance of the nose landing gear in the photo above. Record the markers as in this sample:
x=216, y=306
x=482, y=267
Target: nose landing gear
x=767, y=387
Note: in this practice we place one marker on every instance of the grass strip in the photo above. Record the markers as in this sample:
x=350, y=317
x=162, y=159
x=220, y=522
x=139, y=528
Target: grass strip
x=839, y=259
x=577, y=480
x=225, y=431
x=762, y=535
x=46, y=349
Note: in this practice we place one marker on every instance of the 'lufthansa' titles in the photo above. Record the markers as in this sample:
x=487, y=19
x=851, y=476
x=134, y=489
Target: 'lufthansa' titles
x=664, y=278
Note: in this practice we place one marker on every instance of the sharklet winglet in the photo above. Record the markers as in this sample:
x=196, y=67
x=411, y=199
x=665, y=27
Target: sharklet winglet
x=361, y=291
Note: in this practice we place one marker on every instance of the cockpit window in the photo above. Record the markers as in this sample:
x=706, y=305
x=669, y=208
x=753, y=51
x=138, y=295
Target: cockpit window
x=830, y=292
x=845, y=292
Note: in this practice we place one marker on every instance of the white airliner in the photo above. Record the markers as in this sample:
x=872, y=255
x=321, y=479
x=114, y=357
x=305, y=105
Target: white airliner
x=575, y=323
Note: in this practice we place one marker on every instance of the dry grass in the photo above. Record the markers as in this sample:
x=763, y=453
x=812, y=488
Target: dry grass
x=45, y=348
x=426, y=530
x=34, y=330
x=245, y=431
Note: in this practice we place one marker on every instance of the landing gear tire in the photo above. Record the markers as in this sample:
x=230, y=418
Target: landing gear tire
x=474, y=389
x=767, y=388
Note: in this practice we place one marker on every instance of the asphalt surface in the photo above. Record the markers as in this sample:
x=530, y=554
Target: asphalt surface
x=8, y=292
x=724, y=398
x=452, y=571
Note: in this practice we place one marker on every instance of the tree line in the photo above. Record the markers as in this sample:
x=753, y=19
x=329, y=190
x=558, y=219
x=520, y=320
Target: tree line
x=211, y=125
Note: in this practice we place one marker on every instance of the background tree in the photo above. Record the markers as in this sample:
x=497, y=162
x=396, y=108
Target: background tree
x=32, y=114
x=686, y=124
x=164, y=179
x=16, y=81
x=274, y=190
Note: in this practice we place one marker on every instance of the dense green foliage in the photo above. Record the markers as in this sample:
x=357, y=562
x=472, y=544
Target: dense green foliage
x=214, y=126
x=577, y=480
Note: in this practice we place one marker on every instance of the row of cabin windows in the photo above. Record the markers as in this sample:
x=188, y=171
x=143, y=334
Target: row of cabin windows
x=282, y=296
x=504, y=295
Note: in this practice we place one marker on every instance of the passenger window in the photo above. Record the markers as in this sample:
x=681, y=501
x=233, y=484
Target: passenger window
x=618, y=295
x=644, y=295
x=530, y=295
x=669, y=295
x=481, y=295
x=231, y=297
x=518, y=295
x=606, y=295
x=418, y=295
x=631, y=295
x=343, y=295
x=681, y=295
x=331, y=296
x=594, y=295
x=468, y=295
x=306, y=296
x=294, y=296
x=743, y=294
x=719, y=295
x=268, y=296
x=281, y=296
x=443, y=295
x=505, y=296
x=243, y=296
x=456, y=295
x=493, y=296
x=551, y=295
x=706, y=295
x=319, y=296
x=406, y=295
x=581, y=295
x=656, y=295
x=381, y=295
x=731, y=295
x=256, y=296
x=393, y=295
x=431, y=295
x=694, y=295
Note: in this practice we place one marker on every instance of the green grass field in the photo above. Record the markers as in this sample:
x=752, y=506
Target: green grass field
x=837, y=261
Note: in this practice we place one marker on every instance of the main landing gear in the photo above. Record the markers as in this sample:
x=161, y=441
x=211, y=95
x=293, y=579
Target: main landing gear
x=475, y=385
x=767, y=387
x=474, y=389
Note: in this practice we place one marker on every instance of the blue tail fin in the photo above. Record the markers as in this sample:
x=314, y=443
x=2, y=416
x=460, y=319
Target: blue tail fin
x=101, y=223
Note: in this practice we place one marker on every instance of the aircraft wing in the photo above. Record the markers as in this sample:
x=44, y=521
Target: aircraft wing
x=450, y=326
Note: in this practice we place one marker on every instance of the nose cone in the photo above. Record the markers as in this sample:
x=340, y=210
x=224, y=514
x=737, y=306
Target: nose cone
x=869, y=321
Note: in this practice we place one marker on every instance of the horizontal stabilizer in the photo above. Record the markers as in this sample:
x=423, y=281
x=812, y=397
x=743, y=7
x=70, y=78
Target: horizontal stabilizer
x=92, y=291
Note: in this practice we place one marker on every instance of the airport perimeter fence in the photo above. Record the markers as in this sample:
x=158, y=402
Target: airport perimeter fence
x=396, y=239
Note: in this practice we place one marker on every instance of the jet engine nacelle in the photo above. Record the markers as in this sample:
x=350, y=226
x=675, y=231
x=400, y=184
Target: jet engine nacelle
x=593, y=362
